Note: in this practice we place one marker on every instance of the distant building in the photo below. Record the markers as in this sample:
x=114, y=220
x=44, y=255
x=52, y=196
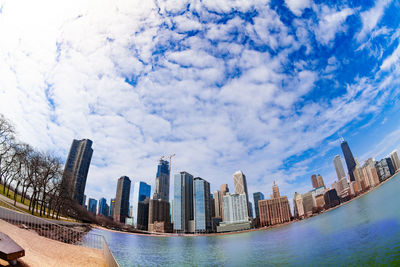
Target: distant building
x=141, y=191
x=348, y=156
x=275, y=210
x=112, y=203
x=121, y=207
x=92, y=205
x=384, y=169
x=320, y=181
x=337, y=162
x=298, y=206
x=76, y=169
x=183, y=202
x=331, y=199
x=308, y=203
x=161, y=190
x=275, y=191
x=103, y=209
x=320, y=201
x=240, y=185
x=159, y=216
x=236, y=213
x=212, y=206
x=84, y=201
x=223, y=191
x=217, y=204
x=314, y=181
x=202, y=205
x=395, y=160
x=257, y=196
x=251, y=210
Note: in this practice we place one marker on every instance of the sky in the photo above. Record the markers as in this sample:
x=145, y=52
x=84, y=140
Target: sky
x=266, y=87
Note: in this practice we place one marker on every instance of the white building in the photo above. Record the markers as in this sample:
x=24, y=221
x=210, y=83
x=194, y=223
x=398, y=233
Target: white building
x=235, y=208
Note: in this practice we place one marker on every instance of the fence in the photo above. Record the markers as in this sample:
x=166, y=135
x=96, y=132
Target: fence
x=60, y=231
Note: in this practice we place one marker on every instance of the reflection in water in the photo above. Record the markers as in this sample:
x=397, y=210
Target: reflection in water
x=363, y=232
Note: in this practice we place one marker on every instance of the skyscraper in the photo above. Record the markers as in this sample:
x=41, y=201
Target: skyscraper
x=183, y=202
x=298, y=206
x=76, y=169
x=223, y=190
x=350, y=162
x=112, y=203
x=257, y=196
x=320, y=181
x=217, y=204
x=161, y=190
x=236, y=213
x=92, y=205
x=202, y=209
x=314, y=181
x=103, y=207
x=395, y=160
x=141, y=191
x=121, y=207
x=240, y=185
x=337, y=162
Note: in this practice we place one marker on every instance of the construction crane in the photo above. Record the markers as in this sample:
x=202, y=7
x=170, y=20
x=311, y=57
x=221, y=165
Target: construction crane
x=169, y=159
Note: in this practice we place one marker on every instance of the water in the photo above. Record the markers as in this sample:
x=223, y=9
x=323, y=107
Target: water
x=365, y=231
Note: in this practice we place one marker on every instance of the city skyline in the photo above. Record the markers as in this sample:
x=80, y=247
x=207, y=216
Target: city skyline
x=210, y=87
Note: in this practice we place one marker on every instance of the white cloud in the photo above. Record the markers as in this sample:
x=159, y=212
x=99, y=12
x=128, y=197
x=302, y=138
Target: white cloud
x=297, y=6
x=392, y=59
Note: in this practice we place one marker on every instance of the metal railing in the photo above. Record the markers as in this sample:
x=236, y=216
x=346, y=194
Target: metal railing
x=60, y=231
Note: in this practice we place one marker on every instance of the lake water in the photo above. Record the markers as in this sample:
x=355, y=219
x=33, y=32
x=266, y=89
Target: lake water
x=365, y=231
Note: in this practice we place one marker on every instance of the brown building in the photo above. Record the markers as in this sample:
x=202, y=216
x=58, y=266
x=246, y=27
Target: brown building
x=274, y=211
x=224, y=189
x=159, y=216
x=275, y=191
x=320, y=181
x=314, y=181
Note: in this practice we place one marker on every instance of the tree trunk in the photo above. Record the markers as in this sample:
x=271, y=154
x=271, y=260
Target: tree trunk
x=16, y=192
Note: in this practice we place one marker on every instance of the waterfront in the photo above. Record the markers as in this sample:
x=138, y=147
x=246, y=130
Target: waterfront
x=363, y=232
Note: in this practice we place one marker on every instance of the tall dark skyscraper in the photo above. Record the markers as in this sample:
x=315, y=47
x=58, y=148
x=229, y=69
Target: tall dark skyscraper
x=348, y=156
x=76, y=169
x=121, y=205
x=161, y=190
x=257, y=196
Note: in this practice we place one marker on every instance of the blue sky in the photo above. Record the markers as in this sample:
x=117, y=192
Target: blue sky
x=266, y=87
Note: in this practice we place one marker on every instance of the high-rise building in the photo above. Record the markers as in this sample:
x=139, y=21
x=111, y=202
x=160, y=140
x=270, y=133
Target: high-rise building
x=236, y=213
x=161, y=190
x=320, y=181
x=202, y=205
x=76, y=169
x=183, y=202
x=223, y=190
x=103, y=207
x=84, y=201
x=240, y=185
x=275, y=191
x=314, y=181
x=92, y=205
x=217, y=204
x=142, y=220
x=350, y=162
x=251, y=210
x=257, y=196
x=308, y=203
x=384, y=169
x=212, y=206
x=298, y=206
x=274, y=211
x=112, y=203
x=395, y=160
x=337, y=162
x=331, y=199
x=141, y=191
x=121, y=207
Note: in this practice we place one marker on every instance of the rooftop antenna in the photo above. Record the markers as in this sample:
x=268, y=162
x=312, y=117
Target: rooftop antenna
x=341, y=139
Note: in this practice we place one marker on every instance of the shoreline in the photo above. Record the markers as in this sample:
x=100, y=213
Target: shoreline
x=265, y=228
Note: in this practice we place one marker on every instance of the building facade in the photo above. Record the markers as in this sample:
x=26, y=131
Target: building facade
x=159, y=216
x=76, y=169
x=235, y=208
x=142, y=221
x=103, y=207
x=308, y=203
x=320, y=181
x=395, y=160
x=314, y=181
x=331, y=199
x=121, y=206
x=141, y=191
x=217, y=204
x=223, y=191
x=202, y=205
x=337, y=162
x=298, y=206
x=112, y=203
x=92, y=205
x=161, y=190
x=183, y=202
x=274, y=211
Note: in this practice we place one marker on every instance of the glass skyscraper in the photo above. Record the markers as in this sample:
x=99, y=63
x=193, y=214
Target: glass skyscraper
x=202, y=208
x=92, y=205
x=183, y=201
x=141, y=191
x=76, y=169
x=350, y=162
x=257, y=196
x=103, y=206
x=121, y=206
x=161, y=190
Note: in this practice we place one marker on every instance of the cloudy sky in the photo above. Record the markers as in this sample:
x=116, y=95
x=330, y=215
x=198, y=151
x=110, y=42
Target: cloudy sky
x=259, y=86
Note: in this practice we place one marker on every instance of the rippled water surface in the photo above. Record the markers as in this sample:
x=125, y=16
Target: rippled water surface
x=363, y=232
